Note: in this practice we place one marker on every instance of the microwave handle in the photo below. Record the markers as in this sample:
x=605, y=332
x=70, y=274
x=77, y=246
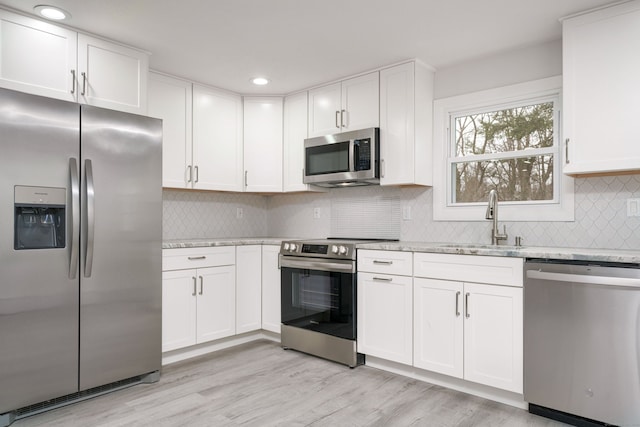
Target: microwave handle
x=356, y=155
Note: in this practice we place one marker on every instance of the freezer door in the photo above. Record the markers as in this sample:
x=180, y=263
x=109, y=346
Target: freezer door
x=39, y=146
x=121, y=259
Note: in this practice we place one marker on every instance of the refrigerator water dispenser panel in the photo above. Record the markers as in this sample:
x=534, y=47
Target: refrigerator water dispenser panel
x=39, y=217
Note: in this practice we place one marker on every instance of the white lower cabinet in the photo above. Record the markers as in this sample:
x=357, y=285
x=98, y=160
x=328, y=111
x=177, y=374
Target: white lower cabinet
x=385, y=305
x=469, y=330
x=493, y=336
x=271, y=317
x=198, y=304
x=216, y=309
x=178, y=309
x=248, y=288
x=216, y=292
x=457, y=315
x=438, y=329
x=385, y=316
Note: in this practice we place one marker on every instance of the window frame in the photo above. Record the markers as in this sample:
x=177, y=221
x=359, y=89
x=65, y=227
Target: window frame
x=561, y=208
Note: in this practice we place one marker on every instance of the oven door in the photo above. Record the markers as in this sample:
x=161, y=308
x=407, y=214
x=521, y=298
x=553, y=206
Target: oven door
x=319, y=295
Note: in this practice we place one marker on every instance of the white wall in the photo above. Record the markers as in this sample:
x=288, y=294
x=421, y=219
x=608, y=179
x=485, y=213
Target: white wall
x=516, y=66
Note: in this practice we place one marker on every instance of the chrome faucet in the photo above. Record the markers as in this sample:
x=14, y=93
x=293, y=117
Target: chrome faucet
x=492, y=213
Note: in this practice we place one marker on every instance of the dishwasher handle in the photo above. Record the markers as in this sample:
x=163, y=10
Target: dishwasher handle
x=586, y=279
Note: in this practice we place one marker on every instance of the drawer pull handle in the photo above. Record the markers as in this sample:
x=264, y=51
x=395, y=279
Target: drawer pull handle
x=376, y=261
x=383, y=279
x=194, y=258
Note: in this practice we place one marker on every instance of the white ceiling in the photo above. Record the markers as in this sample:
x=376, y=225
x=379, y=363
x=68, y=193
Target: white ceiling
x=302, y=43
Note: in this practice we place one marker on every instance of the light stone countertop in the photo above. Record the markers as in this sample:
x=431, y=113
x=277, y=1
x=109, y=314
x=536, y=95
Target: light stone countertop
x=577, y=254
x=212, y=241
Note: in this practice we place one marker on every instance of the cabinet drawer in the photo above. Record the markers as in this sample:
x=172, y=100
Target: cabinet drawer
x=470, y=268
x=386, y=262
x=183, y=258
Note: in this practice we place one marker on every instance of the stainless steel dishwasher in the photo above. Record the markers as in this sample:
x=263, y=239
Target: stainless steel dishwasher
x=582, y=341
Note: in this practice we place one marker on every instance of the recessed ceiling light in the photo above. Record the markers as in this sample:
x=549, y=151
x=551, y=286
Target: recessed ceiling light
x=52, y=12
x=260, y=81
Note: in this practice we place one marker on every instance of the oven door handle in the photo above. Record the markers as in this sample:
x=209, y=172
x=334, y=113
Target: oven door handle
x=317, y=264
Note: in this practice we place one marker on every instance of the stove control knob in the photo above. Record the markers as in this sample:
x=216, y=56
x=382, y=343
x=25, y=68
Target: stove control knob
x=293, y=247
x=342, y=250
x=334, y=249
x=286, y=246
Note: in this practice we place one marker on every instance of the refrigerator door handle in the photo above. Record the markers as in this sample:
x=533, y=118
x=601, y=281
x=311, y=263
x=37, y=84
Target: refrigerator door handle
x=75, y=217
x=90, y=197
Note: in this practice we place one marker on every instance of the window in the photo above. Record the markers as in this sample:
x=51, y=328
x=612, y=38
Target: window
x=505, y=139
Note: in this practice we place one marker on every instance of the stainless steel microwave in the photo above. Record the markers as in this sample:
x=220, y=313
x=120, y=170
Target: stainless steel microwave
x=343, y=159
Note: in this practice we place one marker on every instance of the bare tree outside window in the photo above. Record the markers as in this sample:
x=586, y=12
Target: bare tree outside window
x=510, y=150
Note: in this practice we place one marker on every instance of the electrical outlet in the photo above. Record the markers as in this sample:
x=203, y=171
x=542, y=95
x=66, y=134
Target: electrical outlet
x=316, y=213
x=633, y=207
x=406, y=213
x=239, y=213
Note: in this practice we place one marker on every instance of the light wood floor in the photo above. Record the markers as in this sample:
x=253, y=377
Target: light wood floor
x=260, y=384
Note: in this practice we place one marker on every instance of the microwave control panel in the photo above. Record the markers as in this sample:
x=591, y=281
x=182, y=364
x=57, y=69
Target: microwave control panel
x=362, y=154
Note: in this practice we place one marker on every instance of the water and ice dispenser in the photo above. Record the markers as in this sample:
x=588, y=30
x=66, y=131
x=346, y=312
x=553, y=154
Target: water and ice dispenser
x=39, y=219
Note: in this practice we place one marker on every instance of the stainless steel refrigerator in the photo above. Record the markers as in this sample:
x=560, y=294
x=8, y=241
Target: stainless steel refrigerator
x=80, y=249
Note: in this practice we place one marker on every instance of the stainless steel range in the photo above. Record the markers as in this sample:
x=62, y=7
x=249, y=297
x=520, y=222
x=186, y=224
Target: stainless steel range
x=319, y=298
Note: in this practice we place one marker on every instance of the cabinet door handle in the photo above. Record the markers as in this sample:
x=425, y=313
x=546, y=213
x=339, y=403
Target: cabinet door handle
x=466, y=305
x=382, y=168
x=342, y=118
x=246, y=178
x=189, y=173
x=193, y=258
x=84, y=83
x=337, y=114
x=377, y=261
x=458, y=304
x=197, y=174
x=566, y=151
x=383, y=279
x=201, y=285
x=73, y=81
x=193, y=294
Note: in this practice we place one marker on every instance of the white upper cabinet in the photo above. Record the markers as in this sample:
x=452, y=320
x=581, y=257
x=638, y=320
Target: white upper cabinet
x=324, y=110
x=361, y=102
x=112, y=76
x=406, y=116
x=601, y=83
x=37, y=57
x=263, y=144
x=43, y=59
x=217, y=140
x=295, y=132
x=348, y=105
x=170, y=100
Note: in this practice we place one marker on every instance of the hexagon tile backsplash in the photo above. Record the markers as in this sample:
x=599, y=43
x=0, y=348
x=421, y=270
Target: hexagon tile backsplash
x=601, y=219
